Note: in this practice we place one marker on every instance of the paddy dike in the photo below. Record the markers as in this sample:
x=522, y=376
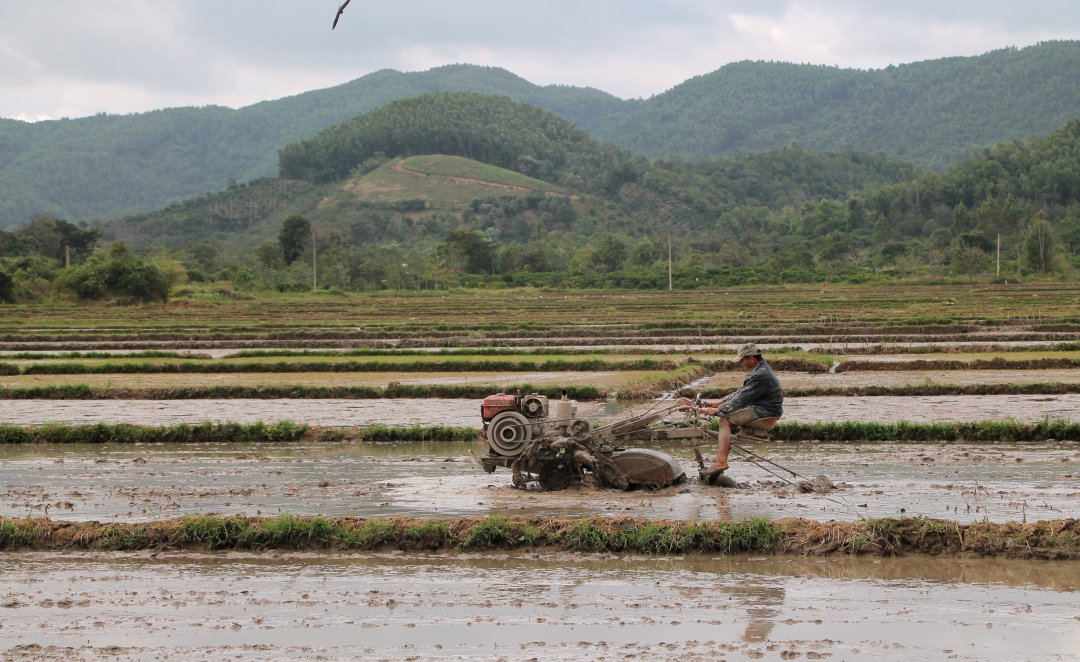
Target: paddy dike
x=517, y=606
x=464, y=412
x=908, y=383
x=124, y=483
x=836, y=339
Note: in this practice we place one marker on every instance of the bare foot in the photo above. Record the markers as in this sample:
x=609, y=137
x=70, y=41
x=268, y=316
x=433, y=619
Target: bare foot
x=712, y=472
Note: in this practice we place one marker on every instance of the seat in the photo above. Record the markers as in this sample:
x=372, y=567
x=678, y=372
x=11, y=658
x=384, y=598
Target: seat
x=764, y=424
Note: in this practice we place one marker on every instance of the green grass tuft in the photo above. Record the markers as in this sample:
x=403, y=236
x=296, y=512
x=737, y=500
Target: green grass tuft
x=495, y=531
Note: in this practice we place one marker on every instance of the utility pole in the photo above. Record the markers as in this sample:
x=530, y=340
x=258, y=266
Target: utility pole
x=999, y=256
x=669, y=264
x=67, y=257
x=314, y=264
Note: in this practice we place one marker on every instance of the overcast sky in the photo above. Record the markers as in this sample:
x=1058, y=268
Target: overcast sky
x=78, y=57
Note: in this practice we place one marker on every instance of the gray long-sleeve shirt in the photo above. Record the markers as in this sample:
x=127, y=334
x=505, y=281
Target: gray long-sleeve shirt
x=760, y=391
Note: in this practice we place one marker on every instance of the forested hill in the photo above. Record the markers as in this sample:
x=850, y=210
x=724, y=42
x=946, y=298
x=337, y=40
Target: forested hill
x=109, y=165
x=928, y=112
x=351, y=176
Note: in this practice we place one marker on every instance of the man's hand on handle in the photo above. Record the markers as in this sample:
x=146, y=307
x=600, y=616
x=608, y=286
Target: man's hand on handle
x=703, y=407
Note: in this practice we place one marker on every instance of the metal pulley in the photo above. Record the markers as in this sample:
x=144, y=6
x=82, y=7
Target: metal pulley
x=508, y=433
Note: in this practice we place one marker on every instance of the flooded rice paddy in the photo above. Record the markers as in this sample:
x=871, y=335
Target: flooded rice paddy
x=127, y=483
x=466, y=412
x=531, y=607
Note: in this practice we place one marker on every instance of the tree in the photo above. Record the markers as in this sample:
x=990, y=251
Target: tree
x=970, y=262
x=55, y=238
x=1038, y=248
x=116, y=274
x=295, y=233
x=882, y=231
x=205, y=253
x=645, y=253
x=470, y=250
x=856, y=214
x=610, y=252
x=1067, y=232
x=7, y=288
x=271, y=255
x=991, y=218
x=961, y=220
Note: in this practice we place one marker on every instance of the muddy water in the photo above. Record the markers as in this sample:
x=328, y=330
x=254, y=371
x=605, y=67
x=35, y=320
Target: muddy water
x=963, y=482
x=566, y=607
x=465, y=412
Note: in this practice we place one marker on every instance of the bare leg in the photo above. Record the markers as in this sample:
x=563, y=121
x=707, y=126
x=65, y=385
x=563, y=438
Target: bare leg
x=722, y=450
x=724, y=447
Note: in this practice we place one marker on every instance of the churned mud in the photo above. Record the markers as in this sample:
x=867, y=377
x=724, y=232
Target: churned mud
x=997, y=482
x=296, y=606
x=466, y=412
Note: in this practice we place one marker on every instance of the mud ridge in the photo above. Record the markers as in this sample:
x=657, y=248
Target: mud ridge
x=282, y=431
x=1049, y=540
x=652, y=389
x=470, y=391
x=546, y=340
x=940, y=364
x=911, y=390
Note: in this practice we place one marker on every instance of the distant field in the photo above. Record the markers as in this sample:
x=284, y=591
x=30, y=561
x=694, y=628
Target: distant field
x=446, y=182
x=456, y=166
x=843, y=313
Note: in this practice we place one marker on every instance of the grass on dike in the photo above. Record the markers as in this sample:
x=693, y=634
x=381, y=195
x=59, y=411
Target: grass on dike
x=213, y=532
x=877, y=537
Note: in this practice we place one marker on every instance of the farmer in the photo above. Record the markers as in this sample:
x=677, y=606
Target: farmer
x=759, y=402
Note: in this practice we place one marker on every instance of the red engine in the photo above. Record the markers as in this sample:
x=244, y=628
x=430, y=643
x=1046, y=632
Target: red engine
x=494, y=405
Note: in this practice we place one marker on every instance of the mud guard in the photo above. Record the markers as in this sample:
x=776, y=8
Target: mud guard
x=649, y=468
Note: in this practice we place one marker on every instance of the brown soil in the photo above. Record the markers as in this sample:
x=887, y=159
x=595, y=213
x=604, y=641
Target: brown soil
x=1052, y=540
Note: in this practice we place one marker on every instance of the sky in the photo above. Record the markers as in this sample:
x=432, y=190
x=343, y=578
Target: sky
x=71, y=58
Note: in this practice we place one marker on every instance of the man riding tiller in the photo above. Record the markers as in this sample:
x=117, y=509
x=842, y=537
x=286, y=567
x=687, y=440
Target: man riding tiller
x=757, y=405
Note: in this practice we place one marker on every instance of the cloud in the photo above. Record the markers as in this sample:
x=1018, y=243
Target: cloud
x=72, y=58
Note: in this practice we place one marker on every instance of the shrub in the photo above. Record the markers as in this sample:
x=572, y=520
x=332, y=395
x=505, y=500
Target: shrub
x=122, y=276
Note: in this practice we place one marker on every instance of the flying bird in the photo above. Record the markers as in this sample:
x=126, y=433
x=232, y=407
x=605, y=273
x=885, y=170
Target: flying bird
x=340, y=11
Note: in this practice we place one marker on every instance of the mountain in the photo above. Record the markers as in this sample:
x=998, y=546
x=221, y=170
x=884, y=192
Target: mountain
x=410, y=172
x=931, y=112
x=108, y=166
x=464, y=188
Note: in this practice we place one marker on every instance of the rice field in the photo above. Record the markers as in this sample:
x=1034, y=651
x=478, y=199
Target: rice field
x=338, y=427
